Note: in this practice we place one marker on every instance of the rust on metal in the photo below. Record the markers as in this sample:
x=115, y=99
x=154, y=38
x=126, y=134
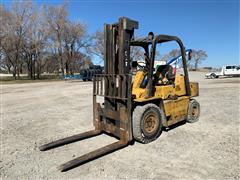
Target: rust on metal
x=70, y=139
x=91, y=156
x=150, y=124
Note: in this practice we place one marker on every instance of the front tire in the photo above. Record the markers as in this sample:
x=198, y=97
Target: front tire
x=147, y=123
x=193, y=111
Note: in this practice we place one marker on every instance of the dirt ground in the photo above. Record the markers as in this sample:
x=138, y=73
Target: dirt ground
x=36, y=113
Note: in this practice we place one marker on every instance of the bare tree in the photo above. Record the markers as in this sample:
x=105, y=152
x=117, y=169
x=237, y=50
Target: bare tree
x=4, y=19
x=5, y=38
x=35, y=43
x=137, y=53
x=13, y=32
x=56, y=18
x=97, y=47
x=66, y=38
x=74, y=40
x=50, y=63
x=172, y=54
x=5, y=65
x=32, y=37
x=198, y=56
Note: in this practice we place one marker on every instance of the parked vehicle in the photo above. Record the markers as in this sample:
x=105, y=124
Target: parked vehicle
x=132, y=109
x=230, y=71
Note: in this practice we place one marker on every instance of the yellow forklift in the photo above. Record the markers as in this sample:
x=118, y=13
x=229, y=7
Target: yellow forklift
x=134, y=108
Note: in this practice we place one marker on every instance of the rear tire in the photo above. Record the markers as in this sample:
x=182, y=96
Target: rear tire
x=193, y=111
x=147, y=123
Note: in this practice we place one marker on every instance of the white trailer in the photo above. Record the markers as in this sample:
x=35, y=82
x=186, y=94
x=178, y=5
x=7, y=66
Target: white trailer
x=227, y=71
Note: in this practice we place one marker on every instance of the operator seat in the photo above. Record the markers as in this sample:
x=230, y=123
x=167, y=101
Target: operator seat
x=164, y=72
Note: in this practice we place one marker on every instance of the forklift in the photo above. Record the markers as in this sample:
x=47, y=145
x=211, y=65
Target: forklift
x=139, y=107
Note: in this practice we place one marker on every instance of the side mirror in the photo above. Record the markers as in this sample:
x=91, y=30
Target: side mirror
x=190, y=55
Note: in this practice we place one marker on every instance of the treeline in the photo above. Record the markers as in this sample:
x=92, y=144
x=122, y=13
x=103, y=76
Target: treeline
x=137, y=53
x=36, y=39
x=193, y=64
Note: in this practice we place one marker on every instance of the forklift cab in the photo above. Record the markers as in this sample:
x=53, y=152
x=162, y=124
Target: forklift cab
x=146, y=81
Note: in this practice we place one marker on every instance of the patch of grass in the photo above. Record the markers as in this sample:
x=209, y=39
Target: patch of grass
x=25, y=79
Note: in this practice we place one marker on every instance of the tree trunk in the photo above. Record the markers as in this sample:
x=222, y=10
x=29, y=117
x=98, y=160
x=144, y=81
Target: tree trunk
x=9, y=69
x=29, y=68
x=62, y=66
x=38, y=74
x=196, y=65
x=67, y=68
x=17, y=65
x=38, y=69
x=34, y=69
x=21, y=68
x=18, y=73
x=14, y=72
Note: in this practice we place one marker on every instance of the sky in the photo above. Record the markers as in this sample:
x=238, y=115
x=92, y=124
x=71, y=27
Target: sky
x=211, y=25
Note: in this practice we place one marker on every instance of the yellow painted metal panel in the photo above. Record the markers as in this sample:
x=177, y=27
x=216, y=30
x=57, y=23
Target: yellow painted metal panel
x=194, y=89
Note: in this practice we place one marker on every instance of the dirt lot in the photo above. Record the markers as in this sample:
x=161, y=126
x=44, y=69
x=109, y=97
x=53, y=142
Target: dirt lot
x=36, y=113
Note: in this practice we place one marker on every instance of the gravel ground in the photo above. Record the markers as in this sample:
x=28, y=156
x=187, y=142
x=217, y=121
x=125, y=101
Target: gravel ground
x=36, y=113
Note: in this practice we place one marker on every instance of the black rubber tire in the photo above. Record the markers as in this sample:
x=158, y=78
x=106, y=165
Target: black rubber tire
x=138, y=117
x=193, y=118
x=213, y=75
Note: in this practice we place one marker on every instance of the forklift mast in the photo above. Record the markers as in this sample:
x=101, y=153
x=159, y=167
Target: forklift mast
x=114, y=115
x=114, y=85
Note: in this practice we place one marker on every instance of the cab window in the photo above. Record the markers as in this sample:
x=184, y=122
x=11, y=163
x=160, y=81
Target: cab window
x=228, y=67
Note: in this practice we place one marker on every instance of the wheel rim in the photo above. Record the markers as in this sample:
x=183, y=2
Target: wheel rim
x=150, y=124
x=195, y=111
